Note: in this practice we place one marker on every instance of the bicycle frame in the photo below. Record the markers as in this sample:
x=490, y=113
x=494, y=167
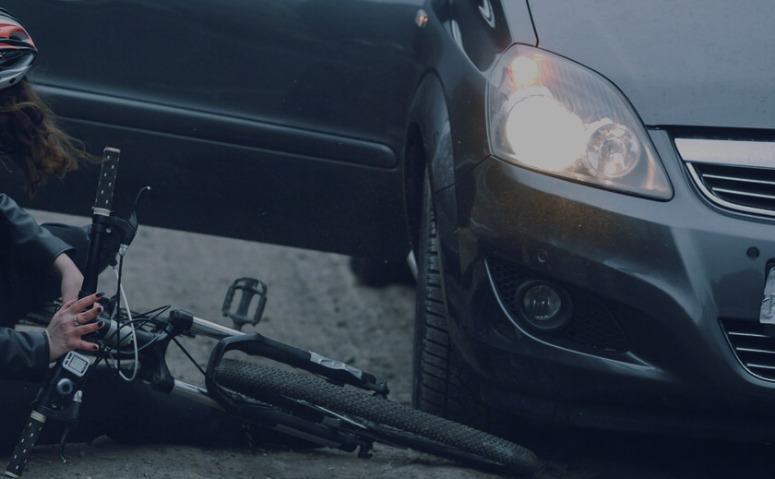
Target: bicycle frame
x=182, y=322
x=299, y=417
x=202, y=327
x=155, y=371
x=60, y=397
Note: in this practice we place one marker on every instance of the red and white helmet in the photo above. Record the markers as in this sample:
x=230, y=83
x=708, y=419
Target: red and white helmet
x=17, y=50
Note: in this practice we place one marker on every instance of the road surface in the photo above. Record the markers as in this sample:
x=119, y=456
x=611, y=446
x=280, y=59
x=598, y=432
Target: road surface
x=315, y=303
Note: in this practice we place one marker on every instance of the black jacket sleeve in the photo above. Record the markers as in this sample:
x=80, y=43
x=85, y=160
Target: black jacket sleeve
x=24, y=355
x=29, y=244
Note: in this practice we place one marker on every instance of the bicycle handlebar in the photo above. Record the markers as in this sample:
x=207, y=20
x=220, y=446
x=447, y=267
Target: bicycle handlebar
x=60, y=397
x=103, y=203
x=119, y=340
x=101, y=213
x=23, y=449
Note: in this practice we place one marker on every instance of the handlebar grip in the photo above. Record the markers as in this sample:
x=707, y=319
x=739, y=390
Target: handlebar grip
x=27, y=441
x=107, y=182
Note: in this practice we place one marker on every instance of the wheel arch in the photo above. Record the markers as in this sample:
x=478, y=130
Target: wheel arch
x=428, y=145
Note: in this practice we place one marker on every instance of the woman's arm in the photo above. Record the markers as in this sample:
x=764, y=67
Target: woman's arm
x=28, y=243
x=36, y=248
x=23, y=355
x=72, y=278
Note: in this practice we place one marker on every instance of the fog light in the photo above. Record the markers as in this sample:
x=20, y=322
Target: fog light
x=541, y=302
x=543, y=305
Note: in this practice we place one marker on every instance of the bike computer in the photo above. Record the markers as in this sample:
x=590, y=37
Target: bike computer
x=76, y=363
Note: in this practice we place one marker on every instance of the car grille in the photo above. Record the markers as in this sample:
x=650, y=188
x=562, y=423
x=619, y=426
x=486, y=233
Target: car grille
x=754, y=349
x=594, y=324
x=745, y=189
x=737, y=175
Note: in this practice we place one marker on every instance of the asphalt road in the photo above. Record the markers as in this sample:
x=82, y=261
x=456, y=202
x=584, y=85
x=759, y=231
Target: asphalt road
x=315, y=303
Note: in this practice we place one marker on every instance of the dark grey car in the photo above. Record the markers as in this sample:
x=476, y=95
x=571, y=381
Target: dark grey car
x=603, y=244
x=259, y=119
x=588, y=186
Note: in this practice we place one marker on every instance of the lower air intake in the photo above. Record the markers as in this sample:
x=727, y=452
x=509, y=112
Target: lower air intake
x=593, y=325
x=754, y=349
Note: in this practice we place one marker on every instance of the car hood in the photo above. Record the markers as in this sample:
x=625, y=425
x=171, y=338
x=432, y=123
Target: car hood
x=694, y=63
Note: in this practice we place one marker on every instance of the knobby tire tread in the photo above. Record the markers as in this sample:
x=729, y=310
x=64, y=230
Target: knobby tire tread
x=261, y=382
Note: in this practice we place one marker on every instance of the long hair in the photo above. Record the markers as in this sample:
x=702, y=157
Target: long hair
x=31, y=141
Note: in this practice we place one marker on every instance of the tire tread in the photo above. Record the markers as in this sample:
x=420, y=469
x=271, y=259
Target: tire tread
x=262, y=382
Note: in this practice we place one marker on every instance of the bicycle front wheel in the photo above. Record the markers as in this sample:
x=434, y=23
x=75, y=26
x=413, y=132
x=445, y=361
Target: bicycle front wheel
x=426, y=432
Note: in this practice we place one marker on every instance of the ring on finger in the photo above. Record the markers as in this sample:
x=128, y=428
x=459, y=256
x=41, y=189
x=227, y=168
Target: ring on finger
x=75, y=320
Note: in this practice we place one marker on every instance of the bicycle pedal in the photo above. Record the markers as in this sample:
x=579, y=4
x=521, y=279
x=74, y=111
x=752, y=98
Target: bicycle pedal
x=250, y=305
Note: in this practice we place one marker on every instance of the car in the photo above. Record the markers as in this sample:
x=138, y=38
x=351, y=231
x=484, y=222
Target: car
x=269, y=120
x=587, y=187
x=597, y=255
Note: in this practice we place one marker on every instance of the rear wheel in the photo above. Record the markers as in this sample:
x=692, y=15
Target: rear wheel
x=384, y=420
x=377, y=272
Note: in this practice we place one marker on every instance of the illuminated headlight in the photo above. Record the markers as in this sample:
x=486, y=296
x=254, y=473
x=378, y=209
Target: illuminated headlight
x=550, y=114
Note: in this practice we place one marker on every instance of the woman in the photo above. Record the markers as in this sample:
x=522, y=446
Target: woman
x=32, y=256
x=39, y=263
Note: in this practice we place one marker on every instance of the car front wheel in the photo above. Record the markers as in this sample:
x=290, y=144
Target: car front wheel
x=443, y=384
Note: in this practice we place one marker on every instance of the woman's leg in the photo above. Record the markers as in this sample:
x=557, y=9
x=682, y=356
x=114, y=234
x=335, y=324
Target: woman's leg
x=136, y=413
x=129, y=412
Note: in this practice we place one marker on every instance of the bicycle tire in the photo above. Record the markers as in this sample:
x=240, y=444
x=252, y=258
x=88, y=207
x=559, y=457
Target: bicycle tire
x=260, y=382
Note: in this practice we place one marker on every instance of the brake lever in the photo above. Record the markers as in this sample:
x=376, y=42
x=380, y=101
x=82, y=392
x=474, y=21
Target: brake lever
x=145, y=189
x=129, y=228
x=120, y=232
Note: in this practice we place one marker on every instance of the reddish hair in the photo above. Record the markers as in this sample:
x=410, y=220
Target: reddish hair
x=30, y=139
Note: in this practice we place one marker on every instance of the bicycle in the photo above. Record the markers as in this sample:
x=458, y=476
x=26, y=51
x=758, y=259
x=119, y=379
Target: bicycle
x=337, y=405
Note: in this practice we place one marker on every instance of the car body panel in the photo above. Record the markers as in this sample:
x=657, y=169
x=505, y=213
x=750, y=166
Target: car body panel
x=484, y=28
x=676, y=267
x=275, y=120
x=313, y=65
x=680, y=265
x=247, y=194
x=209, y=126
x=520, y=22
x=429, y=113
x=689, y=63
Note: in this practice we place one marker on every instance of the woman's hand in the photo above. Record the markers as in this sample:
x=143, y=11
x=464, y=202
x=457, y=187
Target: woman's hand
x=72, y=279
x=73, y=320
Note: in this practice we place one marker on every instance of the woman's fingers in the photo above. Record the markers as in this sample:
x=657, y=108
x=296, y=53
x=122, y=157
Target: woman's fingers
x=89, y=315
x=74, y=320
x=87, y=329
x=87, y=346
x=83, y=303
x=67, y=304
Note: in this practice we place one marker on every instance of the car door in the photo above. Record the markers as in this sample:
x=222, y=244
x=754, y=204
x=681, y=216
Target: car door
x=273, y=120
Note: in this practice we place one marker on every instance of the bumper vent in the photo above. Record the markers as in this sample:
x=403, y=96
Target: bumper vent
x=737, y=175
x=593, y=325
x=754, y=349
x=751, y=190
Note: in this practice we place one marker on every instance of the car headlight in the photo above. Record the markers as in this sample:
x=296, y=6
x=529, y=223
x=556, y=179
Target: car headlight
x=553, y=115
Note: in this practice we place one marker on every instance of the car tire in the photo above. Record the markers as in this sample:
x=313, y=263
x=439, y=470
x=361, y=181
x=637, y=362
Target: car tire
x=375, y=272
x=443, y=384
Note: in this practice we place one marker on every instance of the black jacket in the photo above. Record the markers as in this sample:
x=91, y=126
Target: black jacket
x=25, y=245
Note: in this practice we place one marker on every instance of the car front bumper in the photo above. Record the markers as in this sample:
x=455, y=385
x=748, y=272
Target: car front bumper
x=668, y=272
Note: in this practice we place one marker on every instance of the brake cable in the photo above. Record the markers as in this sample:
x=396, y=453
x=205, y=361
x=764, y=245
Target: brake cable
x=133, y=335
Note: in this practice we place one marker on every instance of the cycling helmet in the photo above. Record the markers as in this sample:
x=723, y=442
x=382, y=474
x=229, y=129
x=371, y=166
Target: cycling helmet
x=17, y=50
